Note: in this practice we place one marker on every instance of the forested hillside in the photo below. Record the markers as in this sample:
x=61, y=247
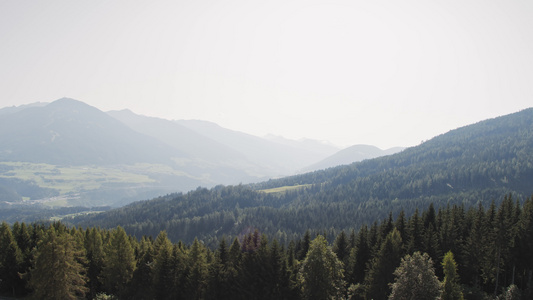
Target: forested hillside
x=471, y=165
x=476, y=253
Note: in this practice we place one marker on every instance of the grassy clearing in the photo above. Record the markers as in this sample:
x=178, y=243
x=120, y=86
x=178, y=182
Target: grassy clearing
x=83, y=213
x=80, y=178
x=283, y=189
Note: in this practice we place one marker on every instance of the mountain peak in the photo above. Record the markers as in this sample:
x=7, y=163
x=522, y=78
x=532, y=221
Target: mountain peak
x=68, y=102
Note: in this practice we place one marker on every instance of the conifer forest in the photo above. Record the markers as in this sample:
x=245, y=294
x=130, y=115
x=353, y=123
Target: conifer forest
x=449, y=252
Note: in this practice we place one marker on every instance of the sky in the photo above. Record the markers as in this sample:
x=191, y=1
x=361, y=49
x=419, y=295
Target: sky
x=385, y=73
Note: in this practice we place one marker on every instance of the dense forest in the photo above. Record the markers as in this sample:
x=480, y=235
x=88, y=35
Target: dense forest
x=459, y=252
x=467, y=166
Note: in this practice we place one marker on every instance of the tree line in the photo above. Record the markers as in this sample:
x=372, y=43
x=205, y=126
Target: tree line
x=490, y=252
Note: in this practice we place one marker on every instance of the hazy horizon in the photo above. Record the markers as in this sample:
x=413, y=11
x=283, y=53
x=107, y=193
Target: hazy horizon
x=383, y=73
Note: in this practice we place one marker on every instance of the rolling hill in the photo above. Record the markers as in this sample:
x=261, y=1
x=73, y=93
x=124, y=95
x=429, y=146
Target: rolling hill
x=472, y=165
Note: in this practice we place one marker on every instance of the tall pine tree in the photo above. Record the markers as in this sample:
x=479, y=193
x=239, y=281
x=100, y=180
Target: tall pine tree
x=451, y=289
x=321, y=274
x=57, y=272
x=119, y=262
x=11, y=260
x=380, y=274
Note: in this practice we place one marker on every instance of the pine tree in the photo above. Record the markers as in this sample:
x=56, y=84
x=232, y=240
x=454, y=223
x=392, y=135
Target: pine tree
x=340, y=247
x=11, y=260
x=414, y=241
x=504, y=232
x=383, y=265
x=475, y=248
x=57, y=272
x=235, y=253
x=321, y=274
x=180, y=265
x=359, y=257
x=95, y=256
x=525, y=245
x=401, y=224
x=139, y=289
x=451, y=288
x=304, y=245
x=415, y=279
x=163, y=271
x=119, y=262
x=23, y=236
x=220, y=273
x=279, y=277
x=197, y=271
x=489, y=259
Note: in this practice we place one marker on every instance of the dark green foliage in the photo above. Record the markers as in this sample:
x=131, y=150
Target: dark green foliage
x=119, y=262
x=259, y=266
x=380, y=274
x=95, y=257
x=58, y=272
x=415, y=279
x=140, y=287
x=359, y=257
x=164, y=274
x=340, y=247
x=11, y=260
x=451, y=289
x=466, y=166
x=197, y=272
x=321, y=274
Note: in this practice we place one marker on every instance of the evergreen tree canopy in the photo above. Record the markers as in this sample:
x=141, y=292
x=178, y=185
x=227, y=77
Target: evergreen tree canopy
x=415, y=279
x=451, y=288
x=321, y=274
x=58, y=272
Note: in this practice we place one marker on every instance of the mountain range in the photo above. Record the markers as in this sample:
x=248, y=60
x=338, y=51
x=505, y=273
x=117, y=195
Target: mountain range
x=479, y=164
x=69, y=153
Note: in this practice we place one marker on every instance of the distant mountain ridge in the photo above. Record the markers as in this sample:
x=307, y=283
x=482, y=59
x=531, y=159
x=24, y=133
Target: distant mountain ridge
x=350, y=155
x=70, y=132
x=13, y=109
x=278, y=157
x=137, y=156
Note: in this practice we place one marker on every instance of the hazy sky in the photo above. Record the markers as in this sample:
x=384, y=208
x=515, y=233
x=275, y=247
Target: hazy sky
x=387, y=73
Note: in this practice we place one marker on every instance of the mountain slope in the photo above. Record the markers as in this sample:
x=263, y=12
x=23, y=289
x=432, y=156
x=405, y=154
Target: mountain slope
x=495, y=153
x=69, y=132
x=278, y=158
x=83, y=156
x=471, y=165
x=70, y=149
x=223, y=164
x=177, y=136
x=14, y=109
x=350, y=155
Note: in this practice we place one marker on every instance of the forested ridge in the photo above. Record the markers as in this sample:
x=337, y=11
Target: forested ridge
x=460, y=252
x=471, y=165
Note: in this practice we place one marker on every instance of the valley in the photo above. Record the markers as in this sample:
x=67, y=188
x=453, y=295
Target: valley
x=462, y=193
x=90, y=158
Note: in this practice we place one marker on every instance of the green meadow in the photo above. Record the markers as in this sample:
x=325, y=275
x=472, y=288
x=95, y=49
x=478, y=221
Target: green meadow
x=71, y=179
x=283, y=189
